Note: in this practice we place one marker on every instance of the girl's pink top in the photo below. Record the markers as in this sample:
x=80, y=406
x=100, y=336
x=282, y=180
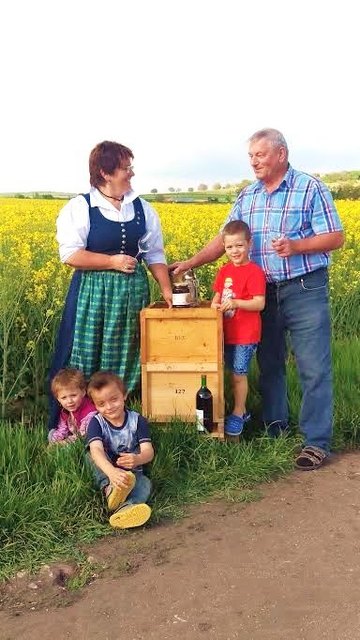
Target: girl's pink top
x=72, y=425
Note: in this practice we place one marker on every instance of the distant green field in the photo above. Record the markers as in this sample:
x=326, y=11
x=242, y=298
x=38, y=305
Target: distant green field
x=193, y=196
x=343, y=185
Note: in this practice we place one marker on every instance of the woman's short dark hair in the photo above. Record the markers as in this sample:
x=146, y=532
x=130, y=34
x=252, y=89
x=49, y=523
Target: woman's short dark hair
x=106, y=157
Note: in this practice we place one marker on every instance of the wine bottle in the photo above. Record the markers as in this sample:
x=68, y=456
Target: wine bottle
x=204, y=408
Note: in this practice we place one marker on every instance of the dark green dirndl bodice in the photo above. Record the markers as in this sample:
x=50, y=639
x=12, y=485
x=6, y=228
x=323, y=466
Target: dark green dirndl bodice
x=107, y=327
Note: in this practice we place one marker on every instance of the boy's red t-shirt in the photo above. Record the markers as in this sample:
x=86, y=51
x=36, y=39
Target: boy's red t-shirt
x=245, y=282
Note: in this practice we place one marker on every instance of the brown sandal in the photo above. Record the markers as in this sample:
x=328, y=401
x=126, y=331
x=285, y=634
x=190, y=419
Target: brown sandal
x=310, y=458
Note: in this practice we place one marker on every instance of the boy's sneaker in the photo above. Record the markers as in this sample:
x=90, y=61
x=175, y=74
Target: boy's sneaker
x=130, y=515
x=234, y=424
x=115, y=496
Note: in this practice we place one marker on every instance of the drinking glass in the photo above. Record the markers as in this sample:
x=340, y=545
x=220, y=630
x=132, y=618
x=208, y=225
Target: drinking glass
x=144, y=244
x=274, y=262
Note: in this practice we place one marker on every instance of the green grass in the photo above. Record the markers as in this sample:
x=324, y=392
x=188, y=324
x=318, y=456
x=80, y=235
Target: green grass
x=46, y=501
x=189, y=468
x=49, y=508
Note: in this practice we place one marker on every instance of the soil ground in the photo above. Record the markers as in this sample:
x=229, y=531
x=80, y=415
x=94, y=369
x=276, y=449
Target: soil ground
x=286, y=567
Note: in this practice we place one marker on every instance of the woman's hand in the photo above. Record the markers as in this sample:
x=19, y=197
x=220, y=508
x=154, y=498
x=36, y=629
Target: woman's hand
x=123, y=262
x=167, y=295
x=161, y=275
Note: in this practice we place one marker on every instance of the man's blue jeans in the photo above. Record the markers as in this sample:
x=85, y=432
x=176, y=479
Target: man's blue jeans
x=299, y=307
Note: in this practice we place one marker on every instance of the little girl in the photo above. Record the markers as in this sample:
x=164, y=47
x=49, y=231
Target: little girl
x=69, y=388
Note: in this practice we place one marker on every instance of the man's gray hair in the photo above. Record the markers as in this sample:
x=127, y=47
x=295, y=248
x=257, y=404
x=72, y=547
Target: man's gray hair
x=273, y=135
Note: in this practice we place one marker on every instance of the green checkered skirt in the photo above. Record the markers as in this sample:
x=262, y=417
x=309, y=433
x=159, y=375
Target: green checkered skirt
x=107, y=326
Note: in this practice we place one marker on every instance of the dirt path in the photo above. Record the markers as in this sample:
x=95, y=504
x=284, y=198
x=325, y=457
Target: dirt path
x=284, y=568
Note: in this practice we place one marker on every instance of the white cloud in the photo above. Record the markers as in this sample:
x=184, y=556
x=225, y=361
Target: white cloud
x=184, y=84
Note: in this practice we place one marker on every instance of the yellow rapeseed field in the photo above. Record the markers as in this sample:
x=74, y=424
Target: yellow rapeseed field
x=33, y=282
x=29, y=249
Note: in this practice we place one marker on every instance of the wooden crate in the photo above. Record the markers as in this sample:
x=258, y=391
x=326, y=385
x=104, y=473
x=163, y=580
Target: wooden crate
x=177, y=347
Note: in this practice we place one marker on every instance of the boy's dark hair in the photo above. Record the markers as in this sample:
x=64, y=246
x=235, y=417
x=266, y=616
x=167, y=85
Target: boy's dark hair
x=68, y=378
x=236, y=226
x=101, y=379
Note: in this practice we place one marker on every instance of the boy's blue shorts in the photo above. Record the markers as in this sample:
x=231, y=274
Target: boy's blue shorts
x=238, y=357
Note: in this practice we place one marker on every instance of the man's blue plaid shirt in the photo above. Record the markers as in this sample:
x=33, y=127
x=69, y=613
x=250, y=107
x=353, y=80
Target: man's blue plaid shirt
x=301, y=207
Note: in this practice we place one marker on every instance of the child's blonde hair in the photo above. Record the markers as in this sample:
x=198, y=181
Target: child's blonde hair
x=68, y=378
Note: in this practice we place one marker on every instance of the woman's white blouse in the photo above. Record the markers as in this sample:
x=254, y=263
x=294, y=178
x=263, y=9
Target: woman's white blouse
x=73, y=224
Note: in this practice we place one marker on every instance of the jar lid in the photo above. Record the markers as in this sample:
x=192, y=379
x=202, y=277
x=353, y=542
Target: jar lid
x=181, y=285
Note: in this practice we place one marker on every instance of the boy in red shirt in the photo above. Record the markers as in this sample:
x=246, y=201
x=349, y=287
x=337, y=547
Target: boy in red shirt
x=240, y=294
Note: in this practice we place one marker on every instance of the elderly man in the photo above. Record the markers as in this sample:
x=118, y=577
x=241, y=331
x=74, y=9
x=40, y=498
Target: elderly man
x=294, y=226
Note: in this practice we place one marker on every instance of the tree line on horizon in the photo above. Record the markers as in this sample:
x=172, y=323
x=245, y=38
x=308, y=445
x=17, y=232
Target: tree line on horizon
x=344, y=185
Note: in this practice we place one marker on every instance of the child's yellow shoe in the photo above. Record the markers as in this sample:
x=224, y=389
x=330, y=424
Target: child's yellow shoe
x=132, y=515
x=117, y=495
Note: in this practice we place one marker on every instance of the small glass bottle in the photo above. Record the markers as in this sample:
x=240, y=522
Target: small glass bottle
x=227, y=294
x=204, y=408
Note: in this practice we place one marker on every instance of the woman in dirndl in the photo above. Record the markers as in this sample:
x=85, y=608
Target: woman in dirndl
x=106, y=236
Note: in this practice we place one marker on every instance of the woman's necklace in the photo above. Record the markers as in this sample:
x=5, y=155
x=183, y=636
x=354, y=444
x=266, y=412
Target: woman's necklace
x=111, y=197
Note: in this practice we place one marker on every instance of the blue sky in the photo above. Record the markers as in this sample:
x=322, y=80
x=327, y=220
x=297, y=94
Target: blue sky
x=184, y=84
